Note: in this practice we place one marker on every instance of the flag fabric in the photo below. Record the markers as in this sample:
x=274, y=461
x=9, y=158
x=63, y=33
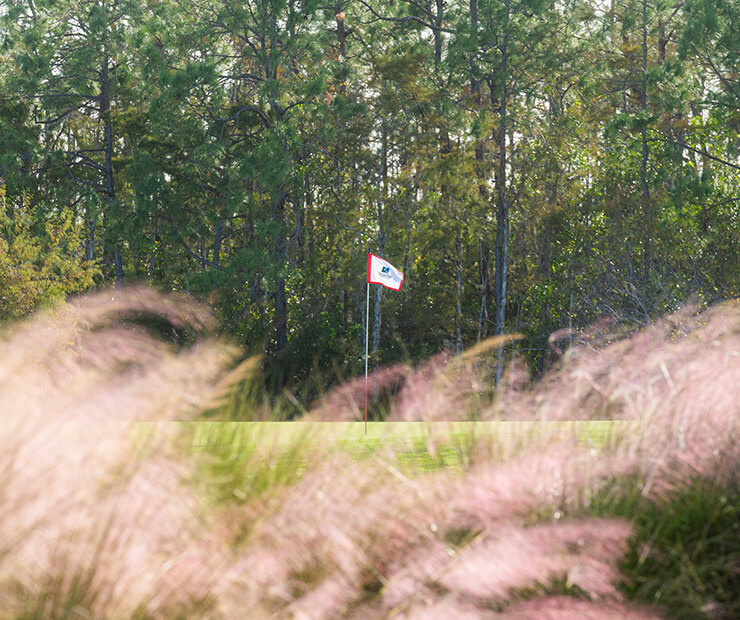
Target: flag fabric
x=380, y=271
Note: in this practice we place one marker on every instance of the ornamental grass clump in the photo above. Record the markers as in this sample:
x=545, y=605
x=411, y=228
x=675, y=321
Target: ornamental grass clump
x=94, y=519
x=121, y=496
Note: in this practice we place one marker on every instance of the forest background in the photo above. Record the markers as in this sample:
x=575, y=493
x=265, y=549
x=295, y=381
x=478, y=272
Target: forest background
x=529, y=165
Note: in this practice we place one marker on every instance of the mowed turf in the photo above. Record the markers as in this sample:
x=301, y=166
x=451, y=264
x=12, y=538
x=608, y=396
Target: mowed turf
x=243, y=460
x=595, y=432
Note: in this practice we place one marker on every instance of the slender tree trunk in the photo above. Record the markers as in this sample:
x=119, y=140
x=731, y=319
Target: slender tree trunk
x=502, y=232
x=382, y=235
x=643, y=107
x=480, y=155
x=438, y=18
x=342, y=34
x=647, y=211
x=118, y=260
x=217, y=241
x=502, y=201
x=483, y=260
x=271, y=42
x=91, y=236
x=281, y=300
x=108, y=152
x=152, y=266
x=281, y=314
x=407, y=247
x=377, y=318
x=459, y=246
x=662, y=41
x=474, y=80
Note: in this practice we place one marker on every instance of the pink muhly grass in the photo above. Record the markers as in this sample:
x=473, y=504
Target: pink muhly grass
x=380, y=526
x=454, y=387
x=494, y=505
x=347, y=401
x=86, y=520
x=349, y=526
x=413, y=575
x=581, y=553
x=444, y=607
x=97, y=515
x=133, y=535
x=570, y=608
x=354, y=535
x=443, y=388
x=682, y=356
x=543, y=608
x=85, y=361
x=426, y=393
x=555, y=477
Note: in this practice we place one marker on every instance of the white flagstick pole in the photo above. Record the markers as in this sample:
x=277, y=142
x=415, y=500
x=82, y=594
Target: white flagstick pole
x=367, y=332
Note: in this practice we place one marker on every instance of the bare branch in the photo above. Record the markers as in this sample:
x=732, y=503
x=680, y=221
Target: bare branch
x=85, y=160
x=189, y=251
x=701, y=152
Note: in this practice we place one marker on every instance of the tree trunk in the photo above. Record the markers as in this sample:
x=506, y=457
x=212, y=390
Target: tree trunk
x=152, y=267
x=341, y=36
x=217, y=240
x=281, y=314
x=643, y=106
x=438, y=18
x=91, y=237
x=502, y=204
x=281, y=300
x=474, y=81
x=382, y=235
x=376, y=322
x=108, y=151
x=483, y=258
x=459, y=246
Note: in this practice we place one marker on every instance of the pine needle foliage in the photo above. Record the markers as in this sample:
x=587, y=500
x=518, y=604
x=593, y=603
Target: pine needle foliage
x=40, y=260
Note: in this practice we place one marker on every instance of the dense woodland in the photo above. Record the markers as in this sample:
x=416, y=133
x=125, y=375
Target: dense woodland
x=529, y=165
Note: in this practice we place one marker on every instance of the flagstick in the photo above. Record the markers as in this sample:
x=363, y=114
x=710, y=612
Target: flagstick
x=379, y=271
x=367, y=332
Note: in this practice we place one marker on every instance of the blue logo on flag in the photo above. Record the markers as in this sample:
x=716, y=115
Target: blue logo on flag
x=385, y=271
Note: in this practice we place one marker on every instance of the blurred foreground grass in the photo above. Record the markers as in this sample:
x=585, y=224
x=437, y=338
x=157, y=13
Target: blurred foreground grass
x=105, y=515
x=683, y=555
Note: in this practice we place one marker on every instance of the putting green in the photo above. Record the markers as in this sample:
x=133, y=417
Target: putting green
x=203, y=434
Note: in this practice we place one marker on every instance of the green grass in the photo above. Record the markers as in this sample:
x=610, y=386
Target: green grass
x=685, y=553
x=242, y=461
x=203, y=434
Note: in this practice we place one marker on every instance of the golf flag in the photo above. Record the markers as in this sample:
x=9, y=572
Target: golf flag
x=380, y=271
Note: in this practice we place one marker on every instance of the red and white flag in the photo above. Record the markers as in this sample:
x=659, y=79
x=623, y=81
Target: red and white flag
x=380, y=271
